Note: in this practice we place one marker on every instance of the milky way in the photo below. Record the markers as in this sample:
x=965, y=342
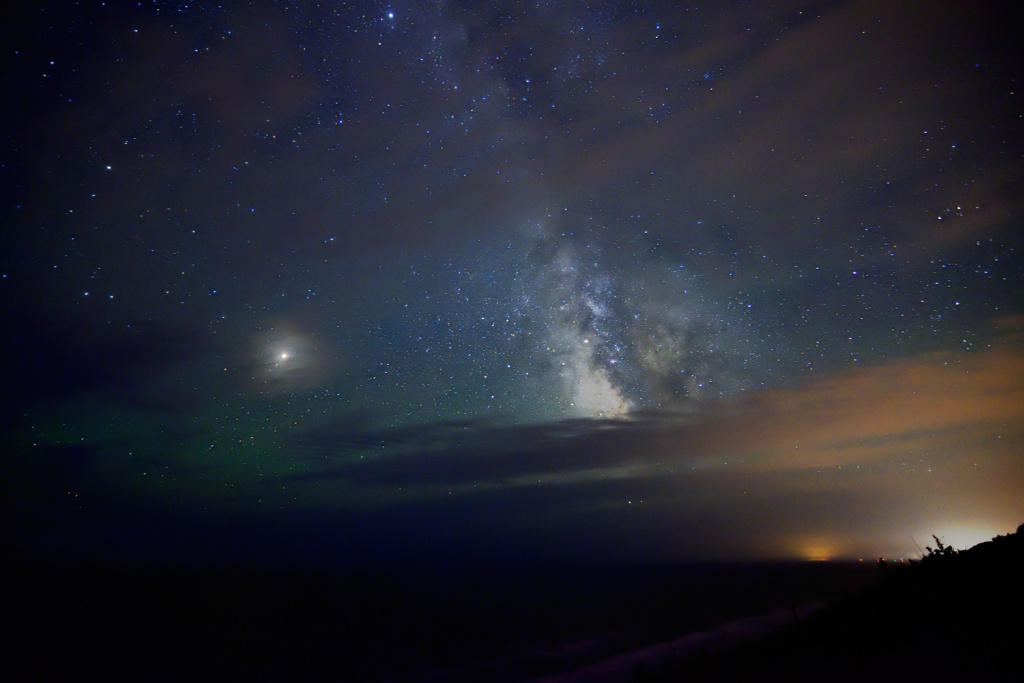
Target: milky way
x=628, y=331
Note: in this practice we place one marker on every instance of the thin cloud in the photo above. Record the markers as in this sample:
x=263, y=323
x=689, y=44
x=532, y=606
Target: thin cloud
x=856, y=418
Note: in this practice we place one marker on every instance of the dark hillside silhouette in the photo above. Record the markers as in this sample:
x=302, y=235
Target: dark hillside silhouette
x=949, y=614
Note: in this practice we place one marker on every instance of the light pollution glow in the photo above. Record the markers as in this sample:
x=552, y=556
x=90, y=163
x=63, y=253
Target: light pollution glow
x=866, y=463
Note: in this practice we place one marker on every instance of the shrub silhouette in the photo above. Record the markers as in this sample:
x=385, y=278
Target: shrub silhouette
x=941, y=550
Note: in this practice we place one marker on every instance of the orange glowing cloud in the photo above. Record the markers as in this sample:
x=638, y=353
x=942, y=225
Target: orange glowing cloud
x=866, y=414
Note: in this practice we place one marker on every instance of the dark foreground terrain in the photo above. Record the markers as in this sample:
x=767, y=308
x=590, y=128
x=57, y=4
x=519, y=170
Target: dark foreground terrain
x=465, y=624
x=950, y=616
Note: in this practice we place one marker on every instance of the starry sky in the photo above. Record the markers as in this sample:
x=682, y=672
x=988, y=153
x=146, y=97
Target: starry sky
x=514, y=281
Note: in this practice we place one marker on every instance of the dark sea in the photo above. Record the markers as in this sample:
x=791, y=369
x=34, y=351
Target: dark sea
x=480, y=623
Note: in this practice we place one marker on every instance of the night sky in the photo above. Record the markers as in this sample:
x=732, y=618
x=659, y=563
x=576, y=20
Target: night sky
x=511, y=281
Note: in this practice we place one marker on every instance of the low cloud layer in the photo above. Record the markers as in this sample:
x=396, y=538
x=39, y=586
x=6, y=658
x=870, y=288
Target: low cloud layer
x=883, y=452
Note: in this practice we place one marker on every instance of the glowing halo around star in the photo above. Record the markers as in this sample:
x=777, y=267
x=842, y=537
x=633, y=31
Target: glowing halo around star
x=288, y=361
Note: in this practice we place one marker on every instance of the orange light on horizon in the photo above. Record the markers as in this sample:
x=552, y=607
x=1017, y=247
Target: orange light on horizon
x=815, y=550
